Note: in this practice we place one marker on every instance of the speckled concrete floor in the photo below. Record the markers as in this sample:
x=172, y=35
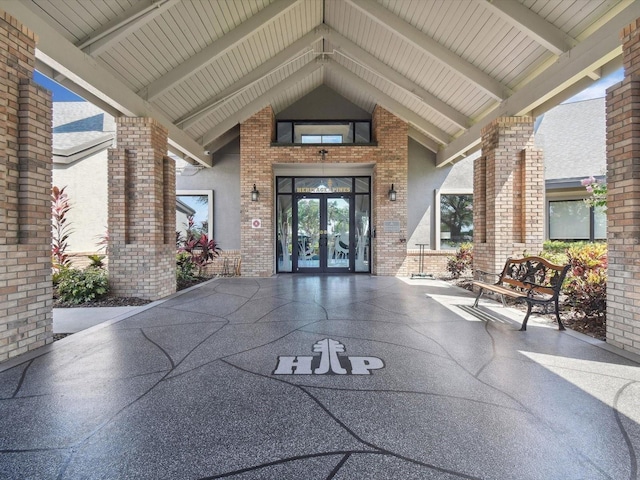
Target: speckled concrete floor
x=296, y=377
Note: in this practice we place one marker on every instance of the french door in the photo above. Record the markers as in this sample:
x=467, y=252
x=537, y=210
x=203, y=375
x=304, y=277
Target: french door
x=325, y=241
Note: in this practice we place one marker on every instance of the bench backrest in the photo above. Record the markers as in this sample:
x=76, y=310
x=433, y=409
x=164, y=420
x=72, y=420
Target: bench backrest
x=524, y=272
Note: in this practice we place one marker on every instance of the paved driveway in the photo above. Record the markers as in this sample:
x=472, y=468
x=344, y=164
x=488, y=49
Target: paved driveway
x=294, y=377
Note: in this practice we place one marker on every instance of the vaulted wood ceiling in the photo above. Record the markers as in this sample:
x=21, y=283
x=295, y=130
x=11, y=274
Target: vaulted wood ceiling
x=447, y=67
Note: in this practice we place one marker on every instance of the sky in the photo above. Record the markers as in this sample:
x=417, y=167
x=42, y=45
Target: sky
x=60, y=94
x=597, y=90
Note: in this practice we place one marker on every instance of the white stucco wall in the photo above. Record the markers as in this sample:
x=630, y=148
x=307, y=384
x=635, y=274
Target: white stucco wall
x=86, y=182
x=424, y=180
x=224, y=179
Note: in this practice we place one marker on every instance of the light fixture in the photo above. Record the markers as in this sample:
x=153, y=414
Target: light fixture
x=254, y=194
x=392, y=194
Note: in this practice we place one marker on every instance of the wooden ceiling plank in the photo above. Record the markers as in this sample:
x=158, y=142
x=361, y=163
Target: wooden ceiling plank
x=528, y=22
x=125, y=24
x=258, y=103
x=391, y=104
x=355, y=52
x=431, y=48
x=211, y=53
x=292, y=51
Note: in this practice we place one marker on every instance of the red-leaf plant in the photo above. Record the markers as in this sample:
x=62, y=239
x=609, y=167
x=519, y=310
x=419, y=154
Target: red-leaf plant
x=202, y=250
x=61, y=228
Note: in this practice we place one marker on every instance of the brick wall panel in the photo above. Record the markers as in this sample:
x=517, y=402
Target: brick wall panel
x=623, y=199
x=257, y=158
x=25, y=196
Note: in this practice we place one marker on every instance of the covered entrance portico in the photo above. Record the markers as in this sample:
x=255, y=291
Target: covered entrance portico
x=439, y=90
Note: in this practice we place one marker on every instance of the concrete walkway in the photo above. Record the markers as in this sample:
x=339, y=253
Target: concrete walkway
x=73, y=320
x=304, y=377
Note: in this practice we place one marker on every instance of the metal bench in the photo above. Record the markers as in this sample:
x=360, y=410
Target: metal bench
x=530, y=279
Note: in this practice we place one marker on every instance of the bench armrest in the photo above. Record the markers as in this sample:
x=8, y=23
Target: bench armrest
x=482, y=275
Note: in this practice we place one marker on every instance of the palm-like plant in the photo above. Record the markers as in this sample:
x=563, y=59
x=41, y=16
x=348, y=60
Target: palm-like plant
x=61, y=228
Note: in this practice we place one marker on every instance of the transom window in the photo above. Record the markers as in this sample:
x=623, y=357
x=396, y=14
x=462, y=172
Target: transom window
x=299, y=132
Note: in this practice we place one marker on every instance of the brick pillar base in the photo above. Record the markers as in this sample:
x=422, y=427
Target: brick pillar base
x=508, y=194
x=26, y=293
x=623, y=199
x=142, y=211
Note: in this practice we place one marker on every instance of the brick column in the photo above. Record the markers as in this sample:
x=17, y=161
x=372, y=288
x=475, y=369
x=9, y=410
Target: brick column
x=142, y=211
x=392, y=166
x=256, y=159
x=623, y=199
x=25, y=196
x=508, y=192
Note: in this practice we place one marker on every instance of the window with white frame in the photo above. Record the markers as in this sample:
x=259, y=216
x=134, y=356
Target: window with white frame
x=194, y=213
x=454, y=222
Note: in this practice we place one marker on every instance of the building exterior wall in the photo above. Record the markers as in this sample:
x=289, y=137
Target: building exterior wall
x=623, y=199
x=86, y=184
x=224, y=179
x=25, y=196
x=258, y=158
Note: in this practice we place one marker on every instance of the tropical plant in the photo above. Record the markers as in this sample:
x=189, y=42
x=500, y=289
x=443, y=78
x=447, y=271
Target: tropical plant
x=586, y=284
x=462, y=260
x=80, y=286
x=61, y=228
x=96, y=261
x=103, y=241
x=201, y=250
x=184, y=268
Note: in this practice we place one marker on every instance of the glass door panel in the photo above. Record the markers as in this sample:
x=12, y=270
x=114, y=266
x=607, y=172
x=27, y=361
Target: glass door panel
x=337, y=227
x=308, y=222
x=362, y=227
x=284, y=238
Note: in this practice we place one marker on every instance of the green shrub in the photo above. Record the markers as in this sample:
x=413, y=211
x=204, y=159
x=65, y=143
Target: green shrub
x=96, y=260
x=185, y=268
x=462, y=260
x=81, y=286
x=559, y=246
x=586, y=283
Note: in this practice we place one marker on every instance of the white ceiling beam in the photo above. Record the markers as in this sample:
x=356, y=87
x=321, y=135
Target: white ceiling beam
x=124, y=24
x=359, y=55
x=212, y=52
x=531, y=24
x=259, y=103
x=390, y=104
x=294, y=50
x=423, y=140
x=576, y=88
x=227, y=137
x=77, y=89
x=430, y=47
x=600, y=48
x=64, y=57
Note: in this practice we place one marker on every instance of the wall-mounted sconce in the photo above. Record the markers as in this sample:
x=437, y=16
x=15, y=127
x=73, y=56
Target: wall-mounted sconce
x=392, y=194
x=254, y=194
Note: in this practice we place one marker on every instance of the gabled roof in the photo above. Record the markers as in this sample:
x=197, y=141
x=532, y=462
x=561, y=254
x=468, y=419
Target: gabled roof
x=573, y=138
x=446, y=67
x=80, y=129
